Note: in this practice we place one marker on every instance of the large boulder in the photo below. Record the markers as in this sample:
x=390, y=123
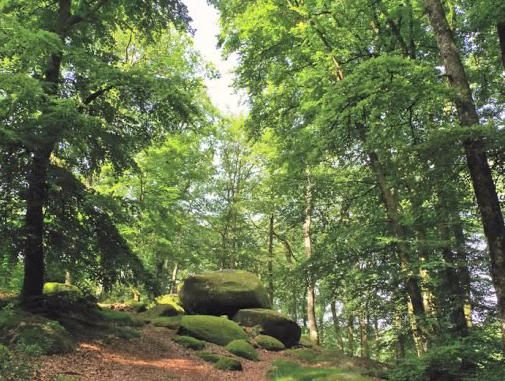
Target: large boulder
x=217, y=330
x=222, y=293
x=271, y=323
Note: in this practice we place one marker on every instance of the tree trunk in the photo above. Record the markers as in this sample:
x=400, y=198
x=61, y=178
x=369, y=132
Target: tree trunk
x=69, y=279
x=376, y=333
x=350, y=335
x=480, y=172
x=336, y=326
x=399, y=232
x=307, y=243
x=270, y=260
x=400, y=337
x=363, y=331
x=464, y=271
x=173, y=283
x=33, y=281
x=500, y=27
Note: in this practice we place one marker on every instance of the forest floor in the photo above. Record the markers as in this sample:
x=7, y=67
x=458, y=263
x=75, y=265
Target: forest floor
x=152, y=357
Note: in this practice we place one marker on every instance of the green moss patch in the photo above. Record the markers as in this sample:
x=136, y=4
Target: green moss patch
x=213, y=329
x=172, y=322
x=208, y=356
x=220, y=362
x=53, y=287
x=163, y=310
x=243, y=349
x=189, y=342
x=226, y=363
x=269, y=343
x=120, y=318
x=173, y=300
x=304, y=354
x=287, y=370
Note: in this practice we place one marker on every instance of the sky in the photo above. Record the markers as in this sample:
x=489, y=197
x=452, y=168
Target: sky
x=206, y=23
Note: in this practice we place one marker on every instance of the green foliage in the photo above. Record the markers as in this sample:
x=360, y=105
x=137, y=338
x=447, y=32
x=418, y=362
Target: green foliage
x=243, y=349
x=287, y=370
x=13, y=367
x=269, y=343
x=217, y=330
x=189, y=342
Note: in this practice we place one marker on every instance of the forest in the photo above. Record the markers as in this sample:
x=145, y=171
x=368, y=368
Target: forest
x=364, y=184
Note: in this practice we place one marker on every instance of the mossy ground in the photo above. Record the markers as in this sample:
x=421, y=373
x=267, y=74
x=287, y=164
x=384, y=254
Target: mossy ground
x=213, y=329
x=243, y=349
x=189, y=342
x=291, y=371
x=172, y=322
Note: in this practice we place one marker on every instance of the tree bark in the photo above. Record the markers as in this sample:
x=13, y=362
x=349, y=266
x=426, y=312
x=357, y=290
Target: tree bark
x=270, y=261
x=307, y=244
x=336, y=326
x=363, y=331
x=480, y=171
x=350, y=335
x=500, y=28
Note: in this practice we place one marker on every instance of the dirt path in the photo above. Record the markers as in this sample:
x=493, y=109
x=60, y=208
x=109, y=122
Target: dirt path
x=152, y=357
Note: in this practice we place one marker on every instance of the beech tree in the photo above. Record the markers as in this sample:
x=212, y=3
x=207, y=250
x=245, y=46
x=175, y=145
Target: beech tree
x=79, y=90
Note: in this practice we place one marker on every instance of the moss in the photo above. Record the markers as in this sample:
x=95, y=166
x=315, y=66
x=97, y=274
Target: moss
x=227, y=363
x=220, y=362
x=163, y=310
x=287, y=370
x=243, y=349
x=137, y=307
x=305, y=354
x=208, y=356
x=214, y=329
x=271, y=323
x=53, y=287
x=172, y=322
x=189, y=342
x=120, y=318
x=222, y=292
x=46, y=338
x=269, y=343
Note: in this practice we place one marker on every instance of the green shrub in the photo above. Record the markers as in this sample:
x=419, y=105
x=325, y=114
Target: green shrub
x=227, y=363
x=269, y=343
x=214, y=329
x=189, y=342
x=172, y=322
x=243, y=349
x=13, y=368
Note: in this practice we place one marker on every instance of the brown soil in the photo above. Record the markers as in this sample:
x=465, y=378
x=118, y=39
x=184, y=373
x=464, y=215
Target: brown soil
x=152, y=357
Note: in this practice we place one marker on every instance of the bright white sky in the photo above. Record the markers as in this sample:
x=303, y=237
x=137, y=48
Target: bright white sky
x=206, y=23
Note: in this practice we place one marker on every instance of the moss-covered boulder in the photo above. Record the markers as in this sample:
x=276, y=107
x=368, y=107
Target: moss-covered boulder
x=163, y=310
x=171, y=300
x=243, y=349
x=34, y=334
x=213, y=329
x=189, y=342
x=222, y=293
x=171, y=322
x=227, y=363
x=269, y=343
x=271, y=323
x=52, y=287
x=220, y=362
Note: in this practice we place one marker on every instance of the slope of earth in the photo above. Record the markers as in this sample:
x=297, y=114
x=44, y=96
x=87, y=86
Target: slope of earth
x=152, y=357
